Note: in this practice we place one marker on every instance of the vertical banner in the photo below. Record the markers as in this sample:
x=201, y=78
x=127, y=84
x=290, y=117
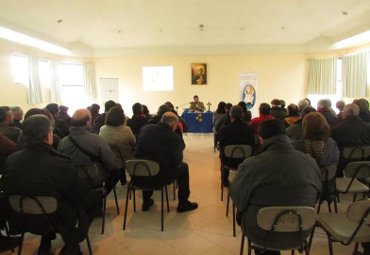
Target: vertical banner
x=248, y=88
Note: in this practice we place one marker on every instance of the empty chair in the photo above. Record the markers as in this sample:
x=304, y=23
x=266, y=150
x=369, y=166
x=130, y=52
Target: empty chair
x=346, y=228
x=240, y=151
x=37, y=216
x=144, y=169
x=297, y=220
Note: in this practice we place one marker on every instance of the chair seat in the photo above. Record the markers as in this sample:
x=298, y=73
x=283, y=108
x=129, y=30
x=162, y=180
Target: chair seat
x=341, y=228
x=274, y=248
x=356, y=186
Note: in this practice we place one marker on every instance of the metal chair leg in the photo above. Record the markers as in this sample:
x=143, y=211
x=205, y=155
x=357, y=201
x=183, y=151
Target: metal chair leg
x=168, y=204
x=233, y=219
x=126, y=205
x=116, y=199
x=227, y=204
x=88, y=244
x=103, y=216
x=292, y=252
x=174, y=189
x=354, y=197
x=355, y=250
x=134, y=198
x=7, y=233
x=21, y=244
x=162, y=209
x=330, y=244
x=329, y=206
x=242, y=245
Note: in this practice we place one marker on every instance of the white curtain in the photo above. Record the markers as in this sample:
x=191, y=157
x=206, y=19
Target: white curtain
x=55, y=96
x=322, y=76
x=354, y=75
x=89, y=79
x=34, y=95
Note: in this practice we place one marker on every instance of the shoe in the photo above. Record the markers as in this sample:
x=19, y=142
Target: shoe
x=187, y=206
x=8, y=243
x=147, y=204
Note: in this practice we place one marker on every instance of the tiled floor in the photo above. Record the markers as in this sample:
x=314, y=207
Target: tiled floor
x=205, y=231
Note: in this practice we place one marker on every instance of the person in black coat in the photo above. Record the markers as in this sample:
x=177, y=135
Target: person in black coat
x=160, y=143
x=138, y=119
x=39, y=170
x=237, y=132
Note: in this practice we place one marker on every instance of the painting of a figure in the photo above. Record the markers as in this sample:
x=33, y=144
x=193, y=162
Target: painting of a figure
x=198, y=74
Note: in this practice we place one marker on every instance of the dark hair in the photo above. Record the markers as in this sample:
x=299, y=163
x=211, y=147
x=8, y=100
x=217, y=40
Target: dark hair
x=264, y=108
x=195, y=96
x=3, y=113
x=34, y=111
x=308, y=100
x=270, y=128
x=282, y=103
x=363, y=104
x=109, y=104
x=170, y=105
x=228, y=107
x=94, y=109
x=145, y=110
x=137, y=109
x=293, y=110
x=36, y=129
x=236, y=112
x=115, y=117
x=275, y=102
x=221, y=107
x=52, y=108
x=243, y=105
x=63, y=108
x=162, y=109
x=307, y=110
x=315, y=127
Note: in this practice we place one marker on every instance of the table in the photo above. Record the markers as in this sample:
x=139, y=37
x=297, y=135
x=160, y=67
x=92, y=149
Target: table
x=198, y=122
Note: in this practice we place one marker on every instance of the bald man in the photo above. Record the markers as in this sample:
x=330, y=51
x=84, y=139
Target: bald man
x=160, y=143
x=85, y=147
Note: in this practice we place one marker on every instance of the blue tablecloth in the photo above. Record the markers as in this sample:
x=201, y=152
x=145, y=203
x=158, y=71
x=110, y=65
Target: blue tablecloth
x=198, y=122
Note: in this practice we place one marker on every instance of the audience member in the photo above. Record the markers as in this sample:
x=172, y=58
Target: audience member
x=264, y=111
x=293, y=115
x=262, y=181
x=340, y=105
x=63, y=121
x=276, y=110
x=282, y=105
x=161, y=110
x=295, y=132
x=247, y=115
x=350, y=132
x=7, y=147
x=100, y=120
x=308, y=101
x=81, y=142
x=138, y=119
x=160, y=143
x=182, y=126
x=146, y=112
x=324, y=107
x=61, y=126
x=236, y=132
x=6, y=121
x=17, y=116
x=196, y=105
x=303, y=104
x=363, y=104
x=217, y=115
x=223, y=120
x=40, y=170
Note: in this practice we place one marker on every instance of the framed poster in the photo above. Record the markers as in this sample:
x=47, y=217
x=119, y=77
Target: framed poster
x=199, y=74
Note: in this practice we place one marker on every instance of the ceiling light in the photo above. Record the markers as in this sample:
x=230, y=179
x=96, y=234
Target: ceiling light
x=20, y=38
x=358, y=39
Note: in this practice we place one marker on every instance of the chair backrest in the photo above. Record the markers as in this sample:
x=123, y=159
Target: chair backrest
x=360, y=152
x=142, y=167
x=36, y=205
x=122, y=152
x=358, y=169
x=359, y=210
x=328, y=173
x=286, y=218
x=238, y=151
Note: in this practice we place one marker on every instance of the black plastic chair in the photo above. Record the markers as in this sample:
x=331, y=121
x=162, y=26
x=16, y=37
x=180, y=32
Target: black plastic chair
x=143, y=169
x=34, y=206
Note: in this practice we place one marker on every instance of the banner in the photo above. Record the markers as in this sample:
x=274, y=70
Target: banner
x=248, y=88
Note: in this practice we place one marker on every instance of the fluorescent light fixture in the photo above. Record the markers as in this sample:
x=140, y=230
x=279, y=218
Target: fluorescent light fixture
x=358, y=39
x=17, y=37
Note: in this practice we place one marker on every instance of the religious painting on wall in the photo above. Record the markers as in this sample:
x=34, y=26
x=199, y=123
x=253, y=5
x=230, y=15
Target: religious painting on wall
x=198, y=74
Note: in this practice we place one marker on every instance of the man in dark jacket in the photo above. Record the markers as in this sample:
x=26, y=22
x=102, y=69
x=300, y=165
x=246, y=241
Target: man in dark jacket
x=160, y=143
x=276, y=110
x=138, y=119
x=39, y=170
x=278, y=176
x=237, y=132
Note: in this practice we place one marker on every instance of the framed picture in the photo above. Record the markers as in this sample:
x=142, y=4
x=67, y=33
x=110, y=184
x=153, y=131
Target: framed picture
x=198, y=74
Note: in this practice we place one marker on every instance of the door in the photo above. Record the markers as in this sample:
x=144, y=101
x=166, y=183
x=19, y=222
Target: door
x=108, y=89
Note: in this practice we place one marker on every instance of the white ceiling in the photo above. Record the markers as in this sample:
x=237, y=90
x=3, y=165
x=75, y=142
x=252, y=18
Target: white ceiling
x=109, y=27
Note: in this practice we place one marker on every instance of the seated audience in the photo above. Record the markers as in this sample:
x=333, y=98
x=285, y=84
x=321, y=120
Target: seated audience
x=236, y=132
x=303, y=104
x=263, y=180
x=282, y=105
x=264, y=111
x=276, y=110
x=17, y=116
x=340, y=105
x=6, y=122
x=146, y=112
x=350, y=132
x=247, y=115
x=295, y=132
x=7, y=147
x=223, y=120
x=100, y=120
x=61, y=125
x=161, y=110
x=324, y=107
x=160, y=143
x=138, y=119
x=182, y=126
x=217, y=115
x=40, y=170
x=196, y=105
x=94, y=110
x=293, y=115
x=84, y=147
x=363, y=104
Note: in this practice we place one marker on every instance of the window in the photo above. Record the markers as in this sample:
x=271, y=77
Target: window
x=158, y=78
x=20, y=69
x=44, y=72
